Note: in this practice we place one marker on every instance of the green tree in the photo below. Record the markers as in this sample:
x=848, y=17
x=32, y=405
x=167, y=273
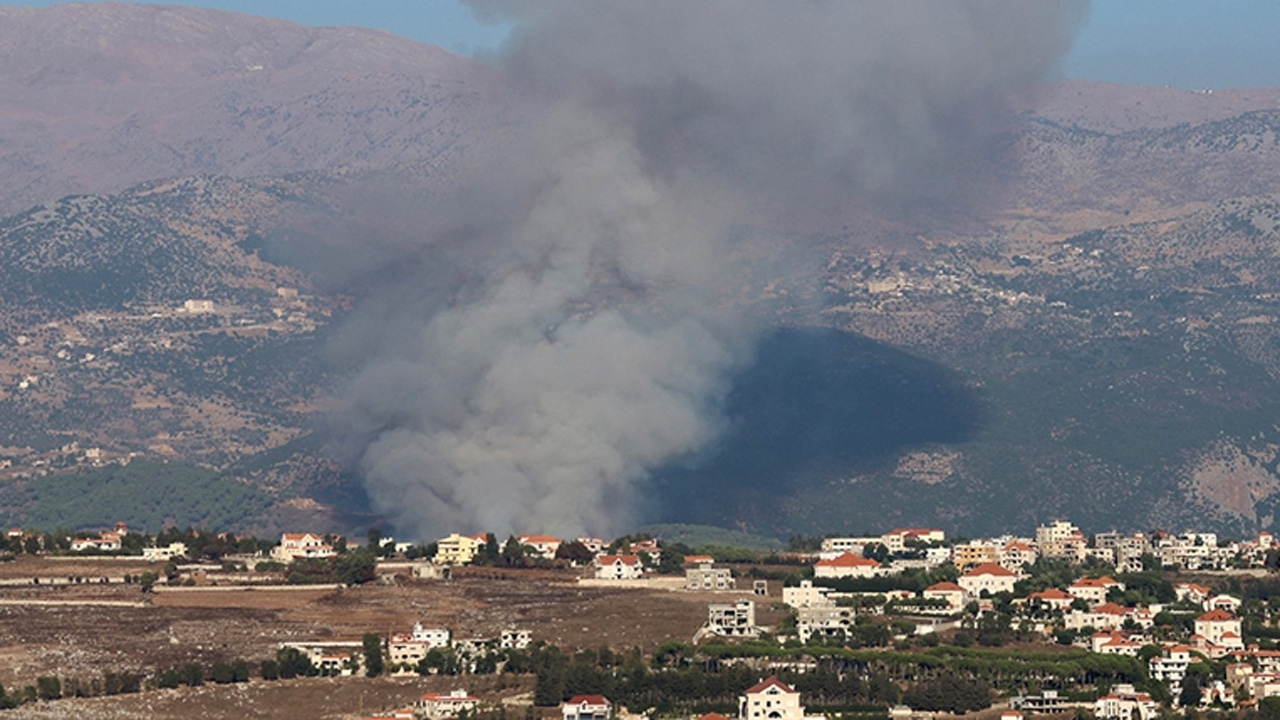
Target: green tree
x=513, y=554
x=291, y=663
x=574, y=551
x=372, y=654
x=48, y=688
x=356, y=567
x=1191, y=692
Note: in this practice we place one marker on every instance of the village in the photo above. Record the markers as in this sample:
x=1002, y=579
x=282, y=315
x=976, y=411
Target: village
x=906, y=624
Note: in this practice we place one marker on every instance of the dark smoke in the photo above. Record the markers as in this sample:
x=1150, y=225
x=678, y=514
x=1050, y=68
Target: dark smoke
x=569, y=321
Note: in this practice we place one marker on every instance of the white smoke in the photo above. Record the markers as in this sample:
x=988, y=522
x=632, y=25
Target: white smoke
x=572, y=321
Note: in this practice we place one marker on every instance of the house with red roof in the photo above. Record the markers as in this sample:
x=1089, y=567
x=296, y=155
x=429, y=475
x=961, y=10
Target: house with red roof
x=1053, y=598
x=439, y=705
x=846, y=565
x=107, y=541
x=1094, y=590
x=1123, y=703
x=955, y=596
x=770, y=699
x=1113, y=643
x=1016, y=555
x=896, y=540
x=1171, y=666
x=990, y=578
x=1193, y=592
x=647, y=547
x=618, y=567
x=1220, y=631
x=545, y=545
x=301, y=545
x=586, y=707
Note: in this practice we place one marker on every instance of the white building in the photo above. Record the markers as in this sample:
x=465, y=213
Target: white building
x=164, y=554
x=513, y=639
x=587, y=707
x=988, y=577
x=771, y=699
x=829, y=623
x=733, y=620
x=437, y=705
x=707, y=577
x=545, y=545
x=1123, y=703
x=618, y=567
x=301, y=545
x=807, y=595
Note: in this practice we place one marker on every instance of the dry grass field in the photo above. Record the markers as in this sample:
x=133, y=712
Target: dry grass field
x=71, y=631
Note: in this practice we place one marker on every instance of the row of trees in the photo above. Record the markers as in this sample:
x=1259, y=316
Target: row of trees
x=53, y=688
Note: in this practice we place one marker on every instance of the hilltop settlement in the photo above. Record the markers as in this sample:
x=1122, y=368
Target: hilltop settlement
x=908, y=623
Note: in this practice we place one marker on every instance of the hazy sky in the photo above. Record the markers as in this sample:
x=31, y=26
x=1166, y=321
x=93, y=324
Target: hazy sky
x=1184, y=43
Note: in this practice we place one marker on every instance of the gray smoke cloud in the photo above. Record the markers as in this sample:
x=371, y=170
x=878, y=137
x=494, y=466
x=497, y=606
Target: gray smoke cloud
x=569, y=320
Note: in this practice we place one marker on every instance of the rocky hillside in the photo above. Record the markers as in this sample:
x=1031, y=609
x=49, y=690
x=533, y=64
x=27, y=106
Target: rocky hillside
x=97, y=97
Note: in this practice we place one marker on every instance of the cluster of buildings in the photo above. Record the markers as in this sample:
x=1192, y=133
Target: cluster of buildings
x=1059, y=540
x=404, y=651
x=433, y=706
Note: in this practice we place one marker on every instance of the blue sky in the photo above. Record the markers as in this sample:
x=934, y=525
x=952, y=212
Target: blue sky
x=1183, y=43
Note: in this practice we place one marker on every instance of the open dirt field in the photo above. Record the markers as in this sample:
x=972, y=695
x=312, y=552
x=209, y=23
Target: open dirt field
x=301, y=699
x=39, y=637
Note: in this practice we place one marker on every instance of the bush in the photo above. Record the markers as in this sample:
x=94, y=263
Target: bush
x=48, y=688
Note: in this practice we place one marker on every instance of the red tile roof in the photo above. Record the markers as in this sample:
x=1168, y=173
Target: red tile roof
x=990, y=569
x=588, y=700
x=1104, y=581
x=847, y=560
x=1216, y=615
x=944, y=586
x=768, y=683
x=539, y=539
x=1112, y=609
x=624, y=559
x=1053, y=594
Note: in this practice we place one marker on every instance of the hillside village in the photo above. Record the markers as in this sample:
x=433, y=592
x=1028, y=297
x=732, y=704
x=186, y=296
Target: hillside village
x=1109, y=625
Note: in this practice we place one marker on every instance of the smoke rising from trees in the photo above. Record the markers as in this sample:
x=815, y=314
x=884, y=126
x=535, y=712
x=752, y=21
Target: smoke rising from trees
x=570, y=319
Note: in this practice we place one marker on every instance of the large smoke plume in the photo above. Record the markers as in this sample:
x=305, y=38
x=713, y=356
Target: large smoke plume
x=569, y=320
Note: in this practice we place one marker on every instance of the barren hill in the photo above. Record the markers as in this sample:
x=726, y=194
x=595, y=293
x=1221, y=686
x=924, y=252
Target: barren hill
x=97, y=97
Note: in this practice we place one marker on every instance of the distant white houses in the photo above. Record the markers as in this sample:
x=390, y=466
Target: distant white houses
x=107, y=540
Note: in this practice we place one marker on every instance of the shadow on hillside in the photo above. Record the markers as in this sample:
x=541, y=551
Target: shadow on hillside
x=817, y=405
